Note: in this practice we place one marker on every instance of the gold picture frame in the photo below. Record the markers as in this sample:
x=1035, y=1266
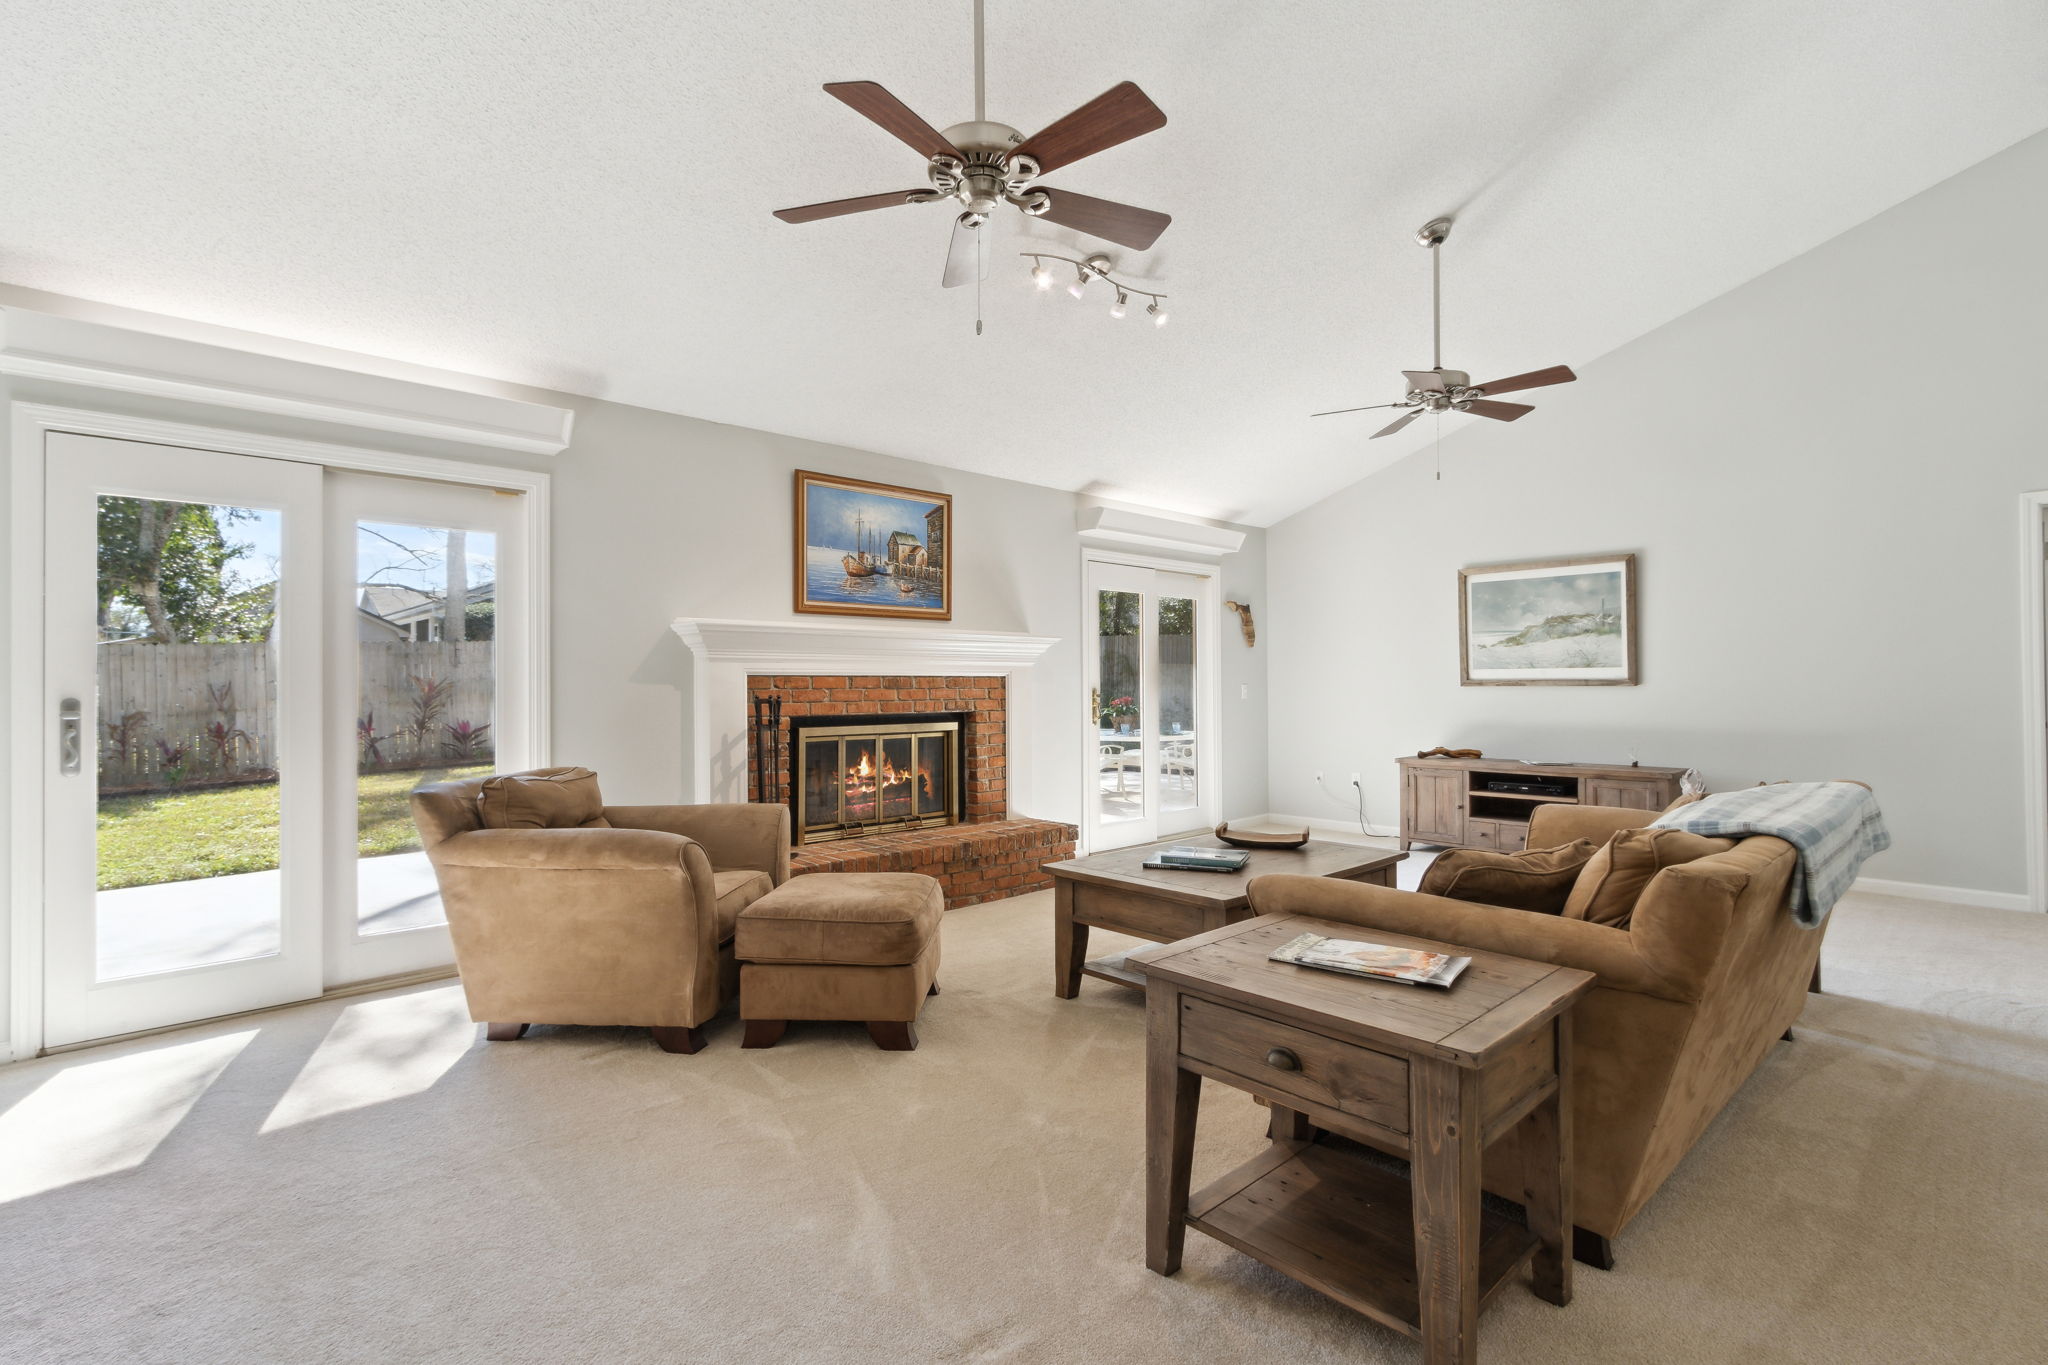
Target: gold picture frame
x=1549, y=623
x=872, y=549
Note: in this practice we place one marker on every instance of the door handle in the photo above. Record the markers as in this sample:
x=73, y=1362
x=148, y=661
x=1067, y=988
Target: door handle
x=70, y=746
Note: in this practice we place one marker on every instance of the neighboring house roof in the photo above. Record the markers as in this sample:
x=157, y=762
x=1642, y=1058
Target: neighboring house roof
x=397, y=602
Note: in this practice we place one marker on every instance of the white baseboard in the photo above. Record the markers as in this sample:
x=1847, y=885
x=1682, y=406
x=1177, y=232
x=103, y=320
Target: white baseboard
x=1317, y=822
x=1947, y=895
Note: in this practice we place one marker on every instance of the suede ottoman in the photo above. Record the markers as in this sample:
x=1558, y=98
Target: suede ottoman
x=840, y=945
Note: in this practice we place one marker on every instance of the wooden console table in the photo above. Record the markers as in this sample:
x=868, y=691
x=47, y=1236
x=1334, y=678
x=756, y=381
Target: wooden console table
x=1112, y=891
x=1446, y=801
x=1436, y=1075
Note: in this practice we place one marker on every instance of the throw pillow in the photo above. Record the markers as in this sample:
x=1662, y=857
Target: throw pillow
x=1535, y=879
x=1607, y=888
x=546, y=798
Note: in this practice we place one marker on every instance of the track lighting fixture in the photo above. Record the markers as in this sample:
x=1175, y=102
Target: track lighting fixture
x=1095, y=267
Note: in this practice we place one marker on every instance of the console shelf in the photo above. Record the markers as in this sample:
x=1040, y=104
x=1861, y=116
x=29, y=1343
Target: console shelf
x=1449, y=802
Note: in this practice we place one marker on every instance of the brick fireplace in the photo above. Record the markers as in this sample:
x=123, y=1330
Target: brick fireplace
x=868, y=670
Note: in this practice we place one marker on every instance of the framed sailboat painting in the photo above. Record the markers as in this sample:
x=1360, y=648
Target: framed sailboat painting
x=872, y=549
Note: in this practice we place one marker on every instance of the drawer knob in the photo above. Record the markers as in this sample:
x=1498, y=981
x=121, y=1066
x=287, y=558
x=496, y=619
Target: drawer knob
x=1282, y=1059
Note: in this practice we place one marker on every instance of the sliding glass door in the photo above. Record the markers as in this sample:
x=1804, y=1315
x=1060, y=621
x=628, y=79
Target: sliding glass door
x=183, y=801
x=249, y=665
x=425, y=612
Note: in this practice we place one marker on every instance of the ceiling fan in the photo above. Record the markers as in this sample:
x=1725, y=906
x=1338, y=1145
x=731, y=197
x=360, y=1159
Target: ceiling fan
x=1440, y=390
x=980, y=165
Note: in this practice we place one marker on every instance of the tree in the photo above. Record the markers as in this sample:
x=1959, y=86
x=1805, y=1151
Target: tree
x=167, y=563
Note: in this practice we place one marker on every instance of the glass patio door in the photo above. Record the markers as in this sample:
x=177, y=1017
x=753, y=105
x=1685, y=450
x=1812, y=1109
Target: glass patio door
x=426, y=649
x=1144, y=744
x=183, y=684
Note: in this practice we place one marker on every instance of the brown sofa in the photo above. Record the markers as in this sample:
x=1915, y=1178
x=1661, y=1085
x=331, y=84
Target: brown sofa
x=1710, y=972
x=629, y=925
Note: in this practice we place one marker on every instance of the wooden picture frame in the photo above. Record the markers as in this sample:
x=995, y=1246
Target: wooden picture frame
x=1554, y=622
x=871, y=549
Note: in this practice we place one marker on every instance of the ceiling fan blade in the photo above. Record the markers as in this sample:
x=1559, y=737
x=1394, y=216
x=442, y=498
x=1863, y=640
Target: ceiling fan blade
x=1120, y=223
x=892, y=115
x=810, y=213
x=964, y=262
x=1116, y=115
x=1535, y=379
x=1499, y=412
x=1339, y=412
x=1390, y=428
x=1429, y=381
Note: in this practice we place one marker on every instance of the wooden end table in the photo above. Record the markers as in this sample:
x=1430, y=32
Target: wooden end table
x=1112, y=891
x=1435, y=1075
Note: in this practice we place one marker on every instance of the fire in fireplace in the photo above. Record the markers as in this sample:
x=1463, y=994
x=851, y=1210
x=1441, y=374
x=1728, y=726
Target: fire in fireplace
x=852, y=776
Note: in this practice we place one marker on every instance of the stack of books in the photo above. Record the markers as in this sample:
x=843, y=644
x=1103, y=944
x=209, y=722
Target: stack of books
x=1190, y=859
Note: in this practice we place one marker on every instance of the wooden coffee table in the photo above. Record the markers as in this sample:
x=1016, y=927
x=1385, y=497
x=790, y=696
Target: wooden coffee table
x=1432, y=1075
x=1111, y=891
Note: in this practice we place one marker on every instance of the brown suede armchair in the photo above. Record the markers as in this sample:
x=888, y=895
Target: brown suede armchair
x=629, y=925
x=1710, y=972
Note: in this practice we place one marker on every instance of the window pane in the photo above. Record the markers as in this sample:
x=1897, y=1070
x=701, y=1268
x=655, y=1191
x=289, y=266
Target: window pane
x=186, y=730
x=1120, y=706
x=426, y=700
x=1178, y=753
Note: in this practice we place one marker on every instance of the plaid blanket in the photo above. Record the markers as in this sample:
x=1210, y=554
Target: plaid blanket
x=1834, y=825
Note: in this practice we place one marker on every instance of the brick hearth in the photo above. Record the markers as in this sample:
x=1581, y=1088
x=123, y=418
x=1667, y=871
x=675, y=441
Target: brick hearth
x=987, y=856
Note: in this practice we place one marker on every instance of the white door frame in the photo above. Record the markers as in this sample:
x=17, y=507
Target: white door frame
x=31, y=736
x=2034, y=688
x=1208, y=672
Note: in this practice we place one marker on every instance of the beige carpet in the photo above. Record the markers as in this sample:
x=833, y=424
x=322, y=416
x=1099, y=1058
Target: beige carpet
x=367, y=1180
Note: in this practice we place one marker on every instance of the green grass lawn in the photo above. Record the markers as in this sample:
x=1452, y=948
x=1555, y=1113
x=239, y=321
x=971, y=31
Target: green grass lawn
x=177, y=836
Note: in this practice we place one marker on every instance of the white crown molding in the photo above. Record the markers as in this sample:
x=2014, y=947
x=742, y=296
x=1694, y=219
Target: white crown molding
x=1141, y=530
x=94, y=355
x=856, y=646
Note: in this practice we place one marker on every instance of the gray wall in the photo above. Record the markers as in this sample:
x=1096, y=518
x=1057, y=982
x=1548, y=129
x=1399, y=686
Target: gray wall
x=1821, y=472
x=658, y=516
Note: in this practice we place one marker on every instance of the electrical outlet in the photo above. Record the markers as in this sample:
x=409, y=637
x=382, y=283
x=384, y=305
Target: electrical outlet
x=1244, y=691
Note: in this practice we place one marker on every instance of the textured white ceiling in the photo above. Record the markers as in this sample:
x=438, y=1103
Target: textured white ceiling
x=578, y=196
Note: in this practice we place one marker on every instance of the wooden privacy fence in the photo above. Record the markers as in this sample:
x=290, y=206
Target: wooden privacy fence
x=185, y=715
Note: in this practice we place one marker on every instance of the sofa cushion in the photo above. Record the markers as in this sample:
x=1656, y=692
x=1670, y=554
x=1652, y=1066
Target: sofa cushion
x=546, y=798
x=1535, y=879
x=1610, y=883
x=883, y=919
x=736, y=890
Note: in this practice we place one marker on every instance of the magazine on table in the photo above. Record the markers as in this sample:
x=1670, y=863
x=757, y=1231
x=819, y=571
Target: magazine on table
x=1355, y=957
x=1192, y=859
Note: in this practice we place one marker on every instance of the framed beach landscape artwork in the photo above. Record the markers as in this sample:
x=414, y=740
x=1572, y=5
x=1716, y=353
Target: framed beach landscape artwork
x=872, y=549
x=1549, y=622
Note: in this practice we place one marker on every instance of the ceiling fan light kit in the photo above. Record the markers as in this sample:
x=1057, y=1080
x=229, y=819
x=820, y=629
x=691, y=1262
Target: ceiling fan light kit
x=1438, y=390
x=981, y=165
x=1096, y=267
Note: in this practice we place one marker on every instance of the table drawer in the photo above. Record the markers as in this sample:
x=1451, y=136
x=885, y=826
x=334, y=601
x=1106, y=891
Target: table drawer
x=1127, y=912
x=1326, y=1071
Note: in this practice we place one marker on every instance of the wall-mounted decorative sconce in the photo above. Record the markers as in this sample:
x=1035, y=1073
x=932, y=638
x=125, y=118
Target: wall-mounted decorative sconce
x=1244, y=618
x=1096, y=267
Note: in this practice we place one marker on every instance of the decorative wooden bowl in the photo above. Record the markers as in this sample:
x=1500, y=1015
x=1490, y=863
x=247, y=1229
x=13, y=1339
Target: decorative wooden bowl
x=1256, y=839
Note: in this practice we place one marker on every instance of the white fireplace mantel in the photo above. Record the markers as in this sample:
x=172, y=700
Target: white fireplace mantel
x=724, y=652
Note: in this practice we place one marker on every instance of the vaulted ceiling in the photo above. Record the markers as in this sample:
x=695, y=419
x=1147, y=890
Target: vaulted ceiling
x=578, y=197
